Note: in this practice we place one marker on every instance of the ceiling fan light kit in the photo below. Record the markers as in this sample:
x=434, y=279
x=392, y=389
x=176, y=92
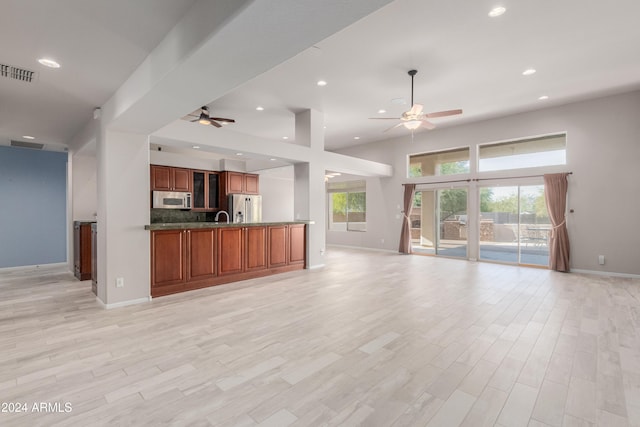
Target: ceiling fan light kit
x=415, y=118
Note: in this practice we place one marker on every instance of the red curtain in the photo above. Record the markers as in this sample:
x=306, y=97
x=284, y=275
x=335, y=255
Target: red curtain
x=405, y=234
x=555, y=194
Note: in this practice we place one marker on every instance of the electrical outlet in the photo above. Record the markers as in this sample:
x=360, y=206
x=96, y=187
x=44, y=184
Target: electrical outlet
x=120, y=282
x=601, y=259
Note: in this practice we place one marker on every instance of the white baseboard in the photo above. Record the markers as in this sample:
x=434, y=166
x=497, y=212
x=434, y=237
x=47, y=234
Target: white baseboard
x=313, y=267
x=363, y=248
x=61, y=267
x=606, y=273
x=122, y=303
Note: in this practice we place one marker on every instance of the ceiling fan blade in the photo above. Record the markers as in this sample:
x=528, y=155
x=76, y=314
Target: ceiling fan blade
x=393, y=127
x=222, y=119
x=427, y=124
x=194, y=120
x=443, y=113
x=416, y=109
x=214, y=123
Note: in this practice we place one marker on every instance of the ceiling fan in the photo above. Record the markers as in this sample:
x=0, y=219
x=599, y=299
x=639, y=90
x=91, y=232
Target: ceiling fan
x=415, y=118
x=205, y=119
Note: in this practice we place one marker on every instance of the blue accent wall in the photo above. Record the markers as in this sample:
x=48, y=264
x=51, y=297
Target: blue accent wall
x=33, y=207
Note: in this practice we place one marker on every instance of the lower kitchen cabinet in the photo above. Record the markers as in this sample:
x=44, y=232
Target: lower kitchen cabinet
x=230, y=251
x=256, y=248
x=277, y=245
x=201, y=254
x=82, y=250
x=199, y=257
x=169, y=260
x=297, y=244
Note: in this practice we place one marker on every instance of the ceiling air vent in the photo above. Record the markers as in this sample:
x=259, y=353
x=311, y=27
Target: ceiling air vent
x=24, y=144
x=17, y=73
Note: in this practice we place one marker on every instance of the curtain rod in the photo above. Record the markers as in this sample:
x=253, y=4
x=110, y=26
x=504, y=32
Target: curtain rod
x=479, y=179
x=515, y=177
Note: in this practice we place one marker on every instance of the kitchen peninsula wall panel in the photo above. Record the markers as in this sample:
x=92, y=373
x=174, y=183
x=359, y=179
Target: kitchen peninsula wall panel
x=186, y=256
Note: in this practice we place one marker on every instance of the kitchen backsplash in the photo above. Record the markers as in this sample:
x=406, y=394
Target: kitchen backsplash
x=164, y=216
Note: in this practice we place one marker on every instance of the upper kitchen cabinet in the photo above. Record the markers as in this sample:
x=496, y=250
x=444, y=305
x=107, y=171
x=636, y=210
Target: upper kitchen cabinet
x=238, y=182
x=165, y=178
x=205, y=191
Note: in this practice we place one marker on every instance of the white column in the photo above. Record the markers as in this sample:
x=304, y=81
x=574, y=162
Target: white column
x=123, y=211
x=309, y=188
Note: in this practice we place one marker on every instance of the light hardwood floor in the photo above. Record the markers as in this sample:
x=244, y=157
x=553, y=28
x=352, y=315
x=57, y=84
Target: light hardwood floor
x=373, y=339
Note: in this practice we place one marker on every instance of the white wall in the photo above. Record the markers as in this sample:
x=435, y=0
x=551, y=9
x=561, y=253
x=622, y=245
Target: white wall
x=276, y=188
x=603, y=149
x=85, y=187
x=182, y=160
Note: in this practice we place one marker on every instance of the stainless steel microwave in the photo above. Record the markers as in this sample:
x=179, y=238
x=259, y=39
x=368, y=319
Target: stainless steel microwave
x=171, y=200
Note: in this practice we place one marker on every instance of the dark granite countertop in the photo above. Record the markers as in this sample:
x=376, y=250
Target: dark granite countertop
x=187, y=225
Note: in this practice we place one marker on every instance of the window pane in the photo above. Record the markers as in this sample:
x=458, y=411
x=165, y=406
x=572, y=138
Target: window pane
x=544, y=151
x=339, y=207
x=439, y=163
x=356, y=211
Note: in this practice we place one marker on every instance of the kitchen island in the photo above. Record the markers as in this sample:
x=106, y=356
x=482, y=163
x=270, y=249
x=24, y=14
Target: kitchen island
x=193, y=255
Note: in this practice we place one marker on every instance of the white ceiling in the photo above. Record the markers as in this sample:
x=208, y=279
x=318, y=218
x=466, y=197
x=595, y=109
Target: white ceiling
x=98, y=44
x=464, y=60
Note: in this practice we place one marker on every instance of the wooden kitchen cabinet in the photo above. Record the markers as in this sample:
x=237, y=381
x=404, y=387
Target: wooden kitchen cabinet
x=238, y=182
x=297, y=244
x=166, y=178
x=169, y=261
x=230, y=251
x=82, y=250
x=94, y=258
x=205, y=191
x=255, y=248
x=201, y=254
x=199, y=257
x=251, y=183
x=277, y=245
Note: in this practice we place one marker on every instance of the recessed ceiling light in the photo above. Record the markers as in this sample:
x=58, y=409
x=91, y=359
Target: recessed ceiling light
x=28, y=137
x=497, y=11
x=259, y=108
x=239, y=154
x=381, y=111
x=48, y=63
x=543, y=97
x=273, y=160
x=195, y=147
x=321, y=83
x=528, y=72
x=285, y=137
x=356, y=137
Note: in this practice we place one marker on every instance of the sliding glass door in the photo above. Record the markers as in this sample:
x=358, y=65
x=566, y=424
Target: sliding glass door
x=439, y=222
x=514, y=225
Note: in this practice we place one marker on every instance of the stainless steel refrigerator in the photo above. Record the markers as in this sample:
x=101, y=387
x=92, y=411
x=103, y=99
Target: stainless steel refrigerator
x=245, y=208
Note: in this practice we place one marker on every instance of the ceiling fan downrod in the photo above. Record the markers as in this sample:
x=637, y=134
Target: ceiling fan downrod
x=412, y=73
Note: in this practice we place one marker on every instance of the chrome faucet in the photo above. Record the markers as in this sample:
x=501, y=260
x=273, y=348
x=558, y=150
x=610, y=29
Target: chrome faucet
x=218, y=214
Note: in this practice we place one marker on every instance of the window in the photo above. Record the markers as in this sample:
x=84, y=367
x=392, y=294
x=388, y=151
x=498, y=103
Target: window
x=347, y=206
x=448, y=162
x=525, y=153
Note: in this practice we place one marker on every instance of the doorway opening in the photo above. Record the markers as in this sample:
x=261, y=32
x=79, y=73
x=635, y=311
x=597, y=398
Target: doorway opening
x=514, y=225
x=439, y=222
